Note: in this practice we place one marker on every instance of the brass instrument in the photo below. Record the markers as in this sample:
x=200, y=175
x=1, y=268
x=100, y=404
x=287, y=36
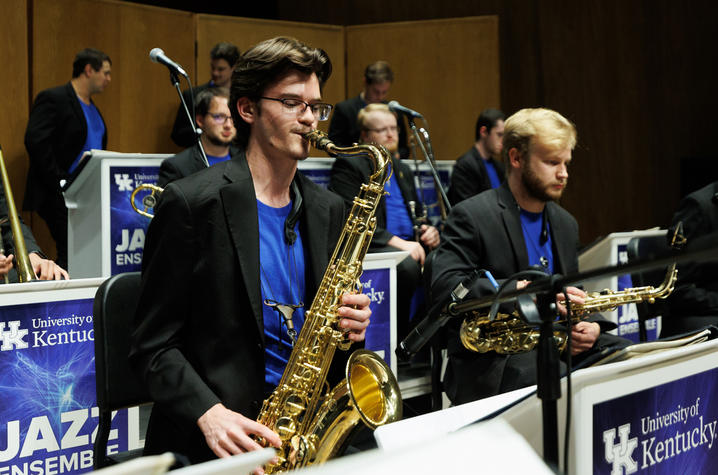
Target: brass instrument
x=149, y=201
x=25, y=272
x=509, y=334
x=315, y=424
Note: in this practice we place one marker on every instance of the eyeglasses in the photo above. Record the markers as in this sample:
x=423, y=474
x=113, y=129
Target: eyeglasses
x=320, y=110
x=393, y=128
x=220, y=118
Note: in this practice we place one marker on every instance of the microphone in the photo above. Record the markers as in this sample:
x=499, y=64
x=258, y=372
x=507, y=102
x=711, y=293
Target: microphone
x=430, y=325
x=158, y=56
x=396, y=107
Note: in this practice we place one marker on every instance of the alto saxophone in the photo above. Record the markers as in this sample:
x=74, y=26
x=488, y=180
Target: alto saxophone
x=509, y=334
x=315, y=423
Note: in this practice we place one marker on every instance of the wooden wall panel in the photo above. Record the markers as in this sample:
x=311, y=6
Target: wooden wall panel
x=13, y=100
x=446, y=69
x=246, y=32
x=139, y=105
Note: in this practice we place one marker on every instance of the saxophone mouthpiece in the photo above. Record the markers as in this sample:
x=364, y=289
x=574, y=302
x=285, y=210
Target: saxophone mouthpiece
x=318, y=139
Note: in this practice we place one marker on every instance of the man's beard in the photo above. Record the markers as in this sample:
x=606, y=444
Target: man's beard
x=218, y=141
x=533, y=185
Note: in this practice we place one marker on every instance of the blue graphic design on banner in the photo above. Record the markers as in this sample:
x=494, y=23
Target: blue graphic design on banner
x=378, y=334
x=47, y=374
x=671, y=428
x=427, y=192
x=319, y=176
x=628, y=314
x=127, y=227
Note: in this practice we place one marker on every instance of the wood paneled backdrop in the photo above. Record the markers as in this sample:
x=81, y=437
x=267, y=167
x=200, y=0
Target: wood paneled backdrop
x=636, y=77
x=445, y=69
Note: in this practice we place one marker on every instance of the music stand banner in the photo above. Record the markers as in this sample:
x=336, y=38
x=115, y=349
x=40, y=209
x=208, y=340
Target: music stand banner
x=48, y=413
x=670, y=428
x=127, y=227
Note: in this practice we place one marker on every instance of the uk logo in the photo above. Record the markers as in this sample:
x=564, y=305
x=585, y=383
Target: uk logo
x=13, y=338
x=123, y=181
x=620, y=455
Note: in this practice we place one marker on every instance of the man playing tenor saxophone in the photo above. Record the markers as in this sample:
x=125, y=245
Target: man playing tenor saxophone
x=231, y=256
x=506, y=230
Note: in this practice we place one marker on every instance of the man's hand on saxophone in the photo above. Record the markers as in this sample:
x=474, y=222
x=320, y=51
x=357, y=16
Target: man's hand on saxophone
x=229, y=433
x=355, y=313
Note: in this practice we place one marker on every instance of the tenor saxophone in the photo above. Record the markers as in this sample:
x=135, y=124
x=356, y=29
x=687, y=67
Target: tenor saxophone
x=314, y=423
x=508, y=334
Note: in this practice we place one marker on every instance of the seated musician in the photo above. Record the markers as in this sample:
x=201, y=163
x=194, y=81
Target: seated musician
x=506, y=230
x=694, y=301
x=45, y=269
x=207, y=340
x=396, y=228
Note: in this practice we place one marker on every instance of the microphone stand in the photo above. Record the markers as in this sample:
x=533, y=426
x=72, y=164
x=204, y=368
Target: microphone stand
x=440, y=193
x=174, y=79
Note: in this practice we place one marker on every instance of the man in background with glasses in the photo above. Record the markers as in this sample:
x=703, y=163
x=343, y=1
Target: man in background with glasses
x=218, y=132
x=398, y=226
x=226, y=247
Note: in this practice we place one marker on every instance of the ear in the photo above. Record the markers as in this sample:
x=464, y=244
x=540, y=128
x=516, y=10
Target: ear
x=247, y=109
x=514, y=158
x=483, y=131
x=88, y=69
x=200, y=121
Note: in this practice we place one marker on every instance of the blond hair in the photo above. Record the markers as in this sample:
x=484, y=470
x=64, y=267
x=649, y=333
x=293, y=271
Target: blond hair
x=545, y=126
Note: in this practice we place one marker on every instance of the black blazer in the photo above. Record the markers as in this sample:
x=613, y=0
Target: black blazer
x=348, y=174
x=470, y=177
x=344, y=130
x=484, y=232
x=183, y=130
x=198, y=337
x=185, y=163
x=55, y=135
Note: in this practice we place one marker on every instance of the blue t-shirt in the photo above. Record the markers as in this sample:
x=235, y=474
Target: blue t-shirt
x=398, y=221
x=282, y=280
x=493, y=173
x=539, y=247
x=95, y=132
x=215, y=160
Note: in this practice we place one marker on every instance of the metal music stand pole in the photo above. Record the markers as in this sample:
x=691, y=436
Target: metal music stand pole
x=441, y=194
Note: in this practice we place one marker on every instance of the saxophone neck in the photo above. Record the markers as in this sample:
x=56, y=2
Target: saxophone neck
x=378, y=154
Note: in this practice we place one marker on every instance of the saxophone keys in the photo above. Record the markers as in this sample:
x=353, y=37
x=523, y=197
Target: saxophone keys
x=286, y=428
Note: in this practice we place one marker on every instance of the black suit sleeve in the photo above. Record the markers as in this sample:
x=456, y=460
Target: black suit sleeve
x=183, y=130
x=695, y=293
x=340, y=127
x=168, y=173
x=161, y=321
x=464, y=182
x=346, y=180
x=39, y=139
x=462, y=247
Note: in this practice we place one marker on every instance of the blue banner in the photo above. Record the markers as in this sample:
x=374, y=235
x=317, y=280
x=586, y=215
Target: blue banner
x=48, y=417
x=426, y=189
x=628, y=314
x=376, y=285
x=127, y=227
x=669, y=428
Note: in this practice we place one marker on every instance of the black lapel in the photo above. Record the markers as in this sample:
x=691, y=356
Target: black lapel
x=314, y=226
x=197, y=158
x=511, y=216
x=77, y=108
x=559, y=232
x=405, y=180
x=240, y=209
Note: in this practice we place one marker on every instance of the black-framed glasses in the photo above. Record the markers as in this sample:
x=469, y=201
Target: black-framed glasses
x=220, y=118
x=320, y=110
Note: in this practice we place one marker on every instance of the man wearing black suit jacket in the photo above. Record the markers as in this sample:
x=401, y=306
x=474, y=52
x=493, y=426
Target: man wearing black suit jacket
x=507, y=230
x=480, y=168
x=257, y=230
x=223, y=57
x=396, y=224
x=64, y=123
x=218, y=132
